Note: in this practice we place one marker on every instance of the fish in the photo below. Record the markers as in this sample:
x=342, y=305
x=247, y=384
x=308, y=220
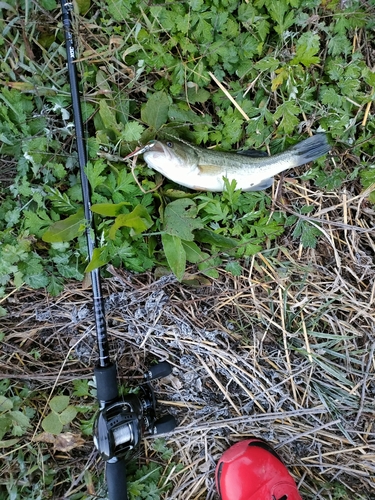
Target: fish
x=205, y=169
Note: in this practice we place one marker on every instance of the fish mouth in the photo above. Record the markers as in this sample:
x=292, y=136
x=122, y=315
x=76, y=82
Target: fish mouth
x=152, y=145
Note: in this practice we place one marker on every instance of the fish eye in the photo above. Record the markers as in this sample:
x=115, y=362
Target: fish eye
x=169, y=144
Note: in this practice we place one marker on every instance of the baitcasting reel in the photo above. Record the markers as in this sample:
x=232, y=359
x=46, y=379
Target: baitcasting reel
x=120, y=425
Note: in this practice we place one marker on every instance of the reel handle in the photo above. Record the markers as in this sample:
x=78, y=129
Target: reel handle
x=160, y=370
x=165, y=424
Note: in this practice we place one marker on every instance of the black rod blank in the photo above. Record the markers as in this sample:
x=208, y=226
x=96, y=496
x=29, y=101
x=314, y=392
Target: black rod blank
x=105, y=371
x=99, y=311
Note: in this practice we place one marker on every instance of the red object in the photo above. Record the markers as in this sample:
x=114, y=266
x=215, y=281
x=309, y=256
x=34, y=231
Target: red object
x=252, y=470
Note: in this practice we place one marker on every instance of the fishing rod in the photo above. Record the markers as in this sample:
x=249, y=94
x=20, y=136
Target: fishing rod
x=121, y=421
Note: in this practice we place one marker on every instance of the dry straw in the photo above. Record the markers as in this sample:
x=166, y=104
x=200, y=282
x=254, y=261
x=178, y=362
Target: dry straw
x=284, y=352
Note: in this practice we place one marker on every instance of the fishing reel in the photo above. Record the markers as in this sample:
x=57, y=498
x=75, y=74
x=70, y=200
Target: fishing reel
x=121, y=424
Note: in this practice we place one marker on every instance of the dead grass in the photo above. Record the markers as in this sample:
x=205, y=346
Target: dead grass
x=284, y=352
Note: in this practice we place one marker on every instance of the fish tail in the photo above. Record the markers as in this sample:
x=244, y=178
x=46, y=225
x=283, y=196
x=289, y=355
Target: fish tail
x=310, y=149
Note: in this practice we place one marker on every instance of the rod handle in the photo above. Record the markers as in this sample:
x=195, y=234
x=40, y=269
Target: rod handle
x=116, y=479
x=106, y=383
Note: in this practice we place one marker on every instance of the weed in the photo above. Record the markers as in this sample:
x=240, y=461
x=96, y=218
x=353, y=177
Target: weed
x=292, y=67
x=15, y=415
x=169, y=52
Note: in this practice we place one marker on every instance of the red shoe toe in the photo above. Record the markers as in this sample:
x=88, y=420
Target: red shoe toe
x=252, y=470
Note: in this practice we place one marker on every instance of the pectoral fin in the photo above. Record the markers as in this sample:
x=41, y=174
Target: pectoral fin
x=264, y=184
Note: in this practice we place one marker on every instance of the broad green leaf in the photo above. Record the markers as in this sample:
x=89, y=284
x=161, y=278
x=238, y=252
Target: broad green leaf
x=180, y=219
x=7, y=443
x=306, y=56
x=97, y=260
x=206, y=263
x=282, y=14
x=234, y=268
x=81, y=388
x=108, y=209
x=59, y=403
x=5, y=425
x=48, y=4
x=196, y=4
x=68, y=415
x=86, y=426
x=83, y=5
x=268, y=63
x=368, y=179
x=307, y=48
x=175, y=254
x=307, y=233
x=118, y=9
x=93, y=171
x=193, y=253
x=132, y=132
x=369, y=76
x=37, y=223
x=108, y=115
x=87, y=111
x=330, y=96
x=66, y=229
x=310, y=235
x=207, y=236
x=124, y=182
x=33, y=272
x=51, y=423
x=196, y=94
x=175, y=113
x=208, y=267
x=101, y=79
x=287, y=111
x=135, y=489
x=38, y=280
x=55, y=285
x=282, y=75
x=204, y=31
x=6, y=140
x=5, y=404
x=155, y=112
x=251, y=249
x=20, y=418
x=139, y=220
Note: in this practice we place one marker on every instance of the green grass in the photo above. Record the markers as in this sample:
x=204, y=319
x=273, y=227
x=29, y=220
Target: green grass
x=144, y=73
x=293, y=68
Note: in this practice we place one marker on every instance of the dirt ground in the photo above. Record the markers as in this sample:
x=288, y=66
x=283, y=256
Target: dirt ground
x=284, y=352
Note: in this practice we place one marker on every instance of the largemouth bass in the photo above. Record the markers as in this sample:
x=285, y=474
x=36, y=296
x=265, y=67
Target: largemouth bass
x=204, y=169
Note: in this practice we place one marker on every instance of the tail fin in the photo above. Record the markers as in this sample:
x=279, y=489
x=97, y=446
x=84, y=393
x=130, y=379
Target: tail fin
x=310, y=149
